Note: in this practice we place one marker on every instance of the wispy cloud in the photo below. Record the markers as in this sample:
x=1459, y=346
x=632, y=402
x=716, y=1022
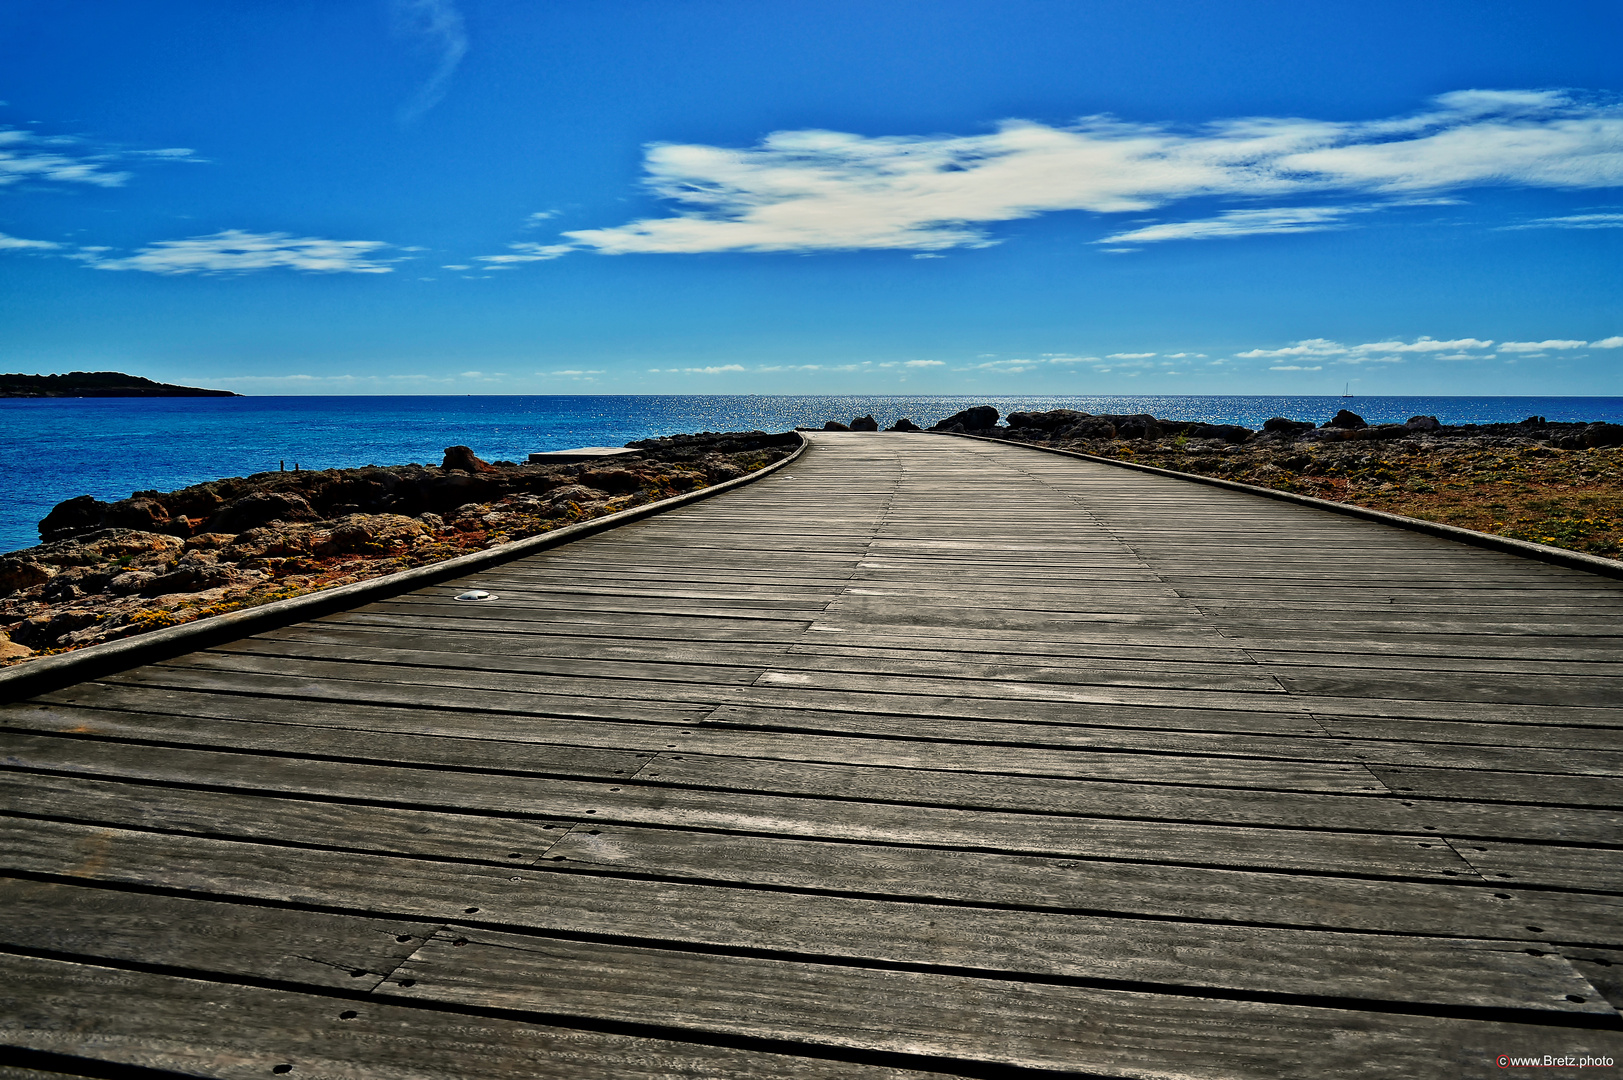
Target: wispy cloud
x=17, y=243
x=525, y=253
x=805, y=191
x=1285, y=219
x=1557, y=344
x=1310, y=347
x=237, y=252
x=1296, y=367
x=439, y=26
x=1130, y=355
x=1574, y=221
x=61, y=159
x=1369, y=352
x=925, y=363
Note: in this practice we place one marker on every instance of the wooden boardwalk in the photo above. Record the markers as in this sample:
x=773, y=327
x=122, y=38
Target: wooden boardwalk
x=922, y=757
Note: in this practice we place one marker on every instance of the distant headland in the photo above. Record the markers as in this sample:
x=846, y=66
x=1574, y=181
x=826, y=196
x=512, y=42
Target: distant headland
x=96, y=384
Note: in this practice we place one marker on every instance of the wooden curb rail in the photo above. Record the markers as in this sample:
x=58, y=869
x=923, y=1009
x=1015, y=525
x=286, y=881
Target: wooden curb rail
x=53, y=672
x=1573, y=560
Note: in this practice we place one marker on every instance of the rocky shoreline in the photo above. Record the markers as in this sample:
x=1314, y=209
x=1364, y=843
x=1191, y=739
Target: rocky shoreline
x=109, y=570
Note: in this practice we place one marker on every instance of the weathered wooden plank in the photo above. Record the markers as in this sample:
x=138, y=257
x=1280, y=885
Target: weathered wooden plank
x=213, y=1029
x=1415, y=855
x=1114, y=1033
x=327, y=949
x=543, y=744
x=1472, y=784
x=488, y=665
x=824, y=713
x=244, y=941
x=450, y=740
x=305, y=822
x=1595, y=868
x=1159, y=802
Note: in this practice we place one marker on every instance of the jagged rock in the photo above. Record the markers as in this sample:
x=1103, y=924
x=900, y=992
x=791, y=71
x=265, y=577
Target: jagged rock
x=10, y=650
x=1052, y=420
x=975, y=419
x=1383, y=431
x=1345, y=419
x=73, y=517
x=1094, y=427
x=614, y=480
x=209, y=541
x=260, y=508
x=835, y=425
x=1138, y=426
x=574, y=493
x=1279, y=425
x=131, y=581
x=19, y=574
x=42, y=631
x=269, y=542
x=1603, y=435
x=904, y=424
x=1429, y=423
x=865, y=423
x=461, y=457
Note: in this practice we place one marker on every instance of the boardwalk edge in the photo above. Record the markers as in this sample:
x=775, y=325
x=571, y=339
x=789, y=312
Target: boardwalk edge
x=53, y=672
x=1572, y=560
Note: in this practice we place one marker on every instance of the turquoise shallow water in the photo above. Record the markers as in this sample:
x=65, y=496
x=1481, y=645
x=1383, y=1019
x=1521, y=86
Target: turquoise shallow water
x=54, y=449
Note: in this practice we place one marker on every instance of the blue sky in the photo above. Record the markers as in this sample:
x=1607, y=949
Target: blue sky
x=590, y=196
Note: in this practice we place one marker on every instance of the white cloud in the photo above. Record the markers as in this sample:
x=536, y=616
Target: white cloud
x=714, y=369
x=1367, y=352
x=235, y=251
x=457, y=266
x=525, y=253
x=17, y=243
x=1607, y=343
x=1296, y=367
x=539, y=216
x=828, y=190
x=1242, y=223
x=25, y=156
x=925, y=363
x=438, y=25
x=1310, y=347
x=1422, y=345
x=1574, y=221
x=60, y=159
x=573, y=372
x=1539, y=346
x=1130, y=355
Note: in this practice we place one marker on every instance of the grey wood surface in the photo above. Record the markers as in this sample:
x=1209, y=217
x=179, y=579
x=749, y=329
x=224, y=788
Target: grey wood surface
x=923, y=756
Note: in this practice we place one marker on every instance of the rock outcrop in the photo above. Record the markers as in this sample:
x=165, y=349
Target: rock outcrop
x=979, y=418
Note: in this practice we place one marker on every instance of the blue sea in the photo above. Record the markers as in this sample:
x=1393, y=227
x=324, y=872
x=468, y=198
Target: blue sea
x=54, y=449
